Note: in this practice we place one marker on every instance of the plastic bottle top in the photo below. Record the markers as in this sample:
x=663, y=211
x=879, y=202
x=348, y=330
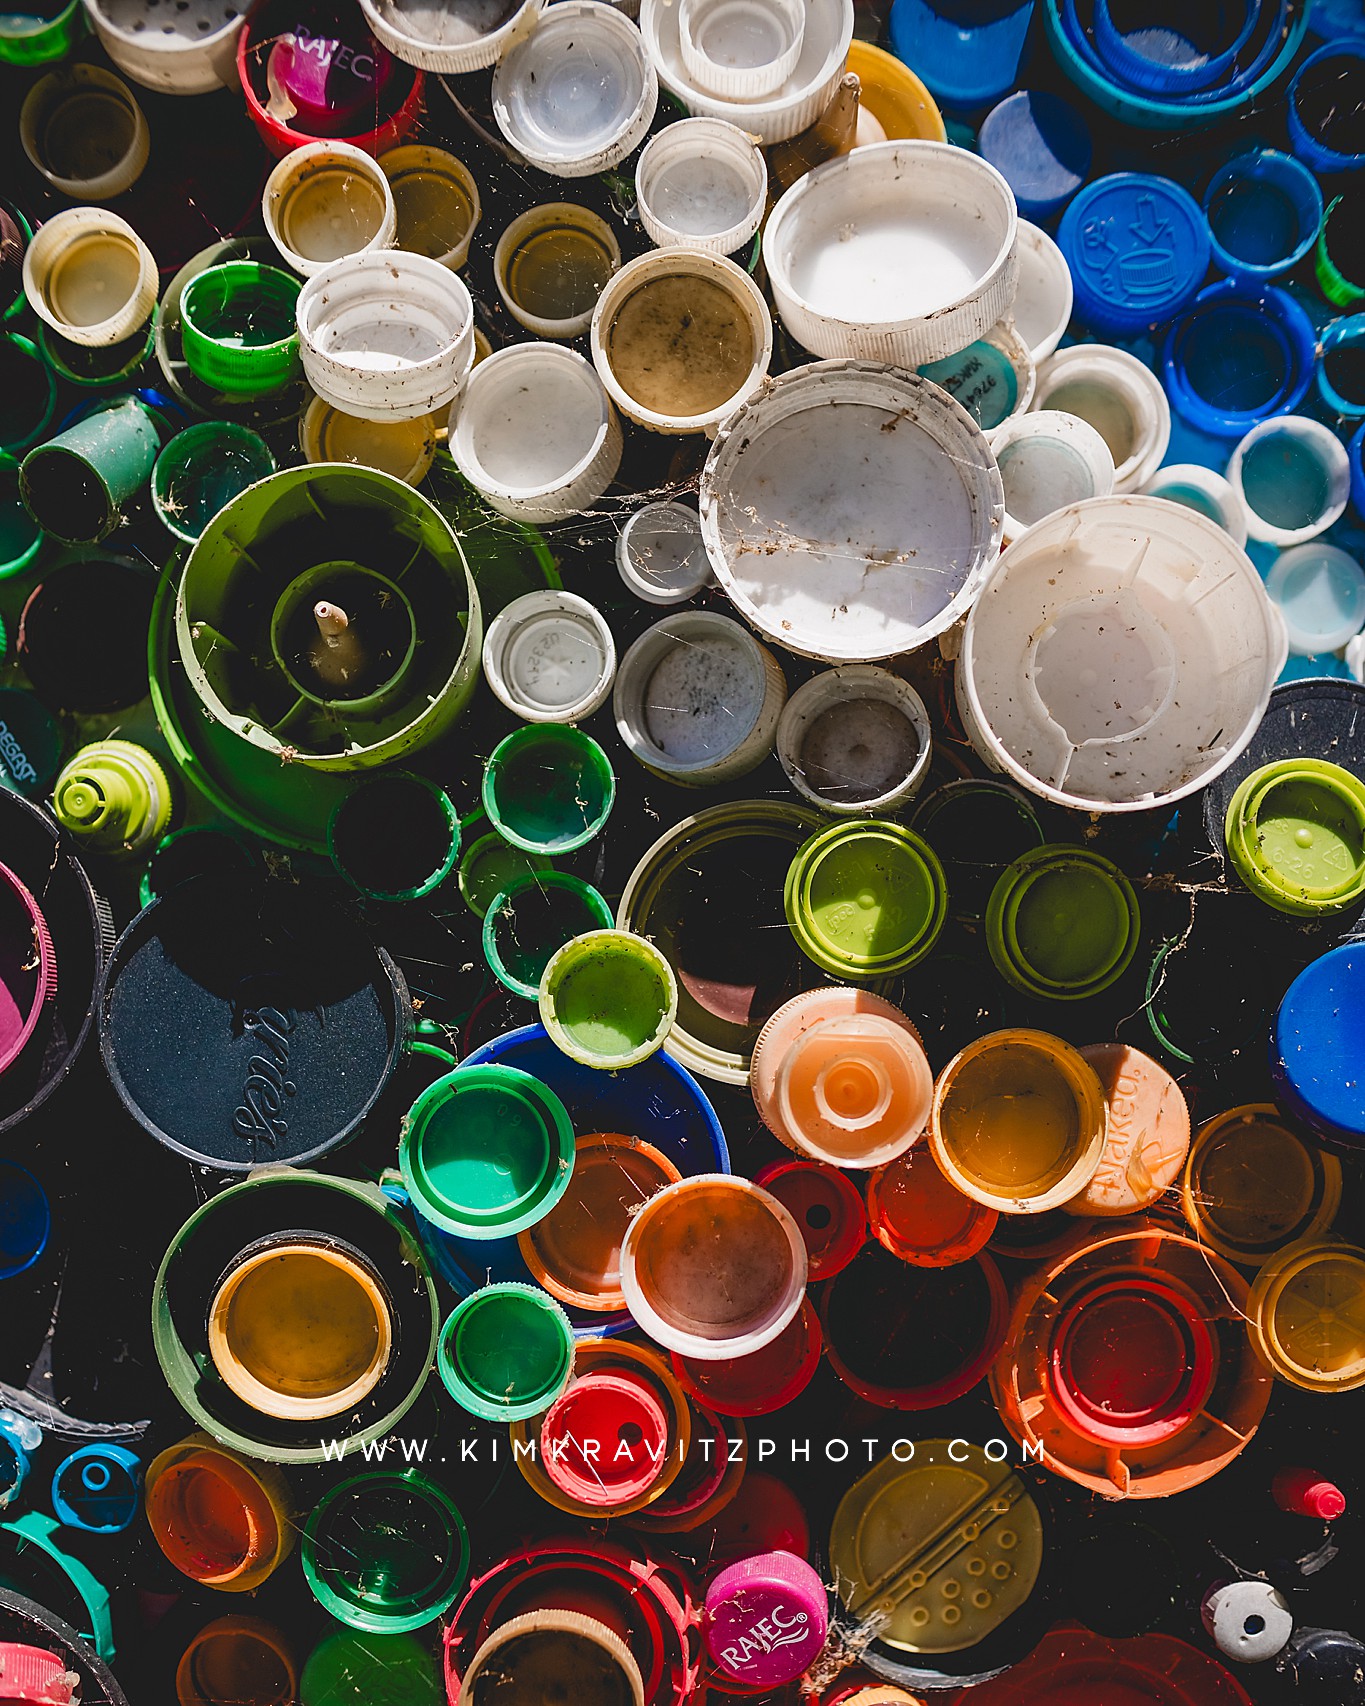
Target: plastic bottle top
x=866, y=898
x=506, y=1352
x=1062, y=922
x=763, y=1381
x=660, y=554
x=1320, y=591
x=603, y=1442
x=1339, y=260
x=1306, y=1312
x=98, y=1488
x=114, y=797
x=827, y=1208
x=549, y=656
x=550, y=1651
x=490, y=865
x=328, y=86
x=1063, y=1671
x=395, y=837
x=1264, y=211
x=608, y=999
x=1295, y=833
x=1303, y=1492
x=548, y=789
x=1319, y=1024
x=920, y=1216
x=1293, y=476
x=766, y=1619
x=242, y=1659
x=855, y=1090
x=967, y=57
x=1138, y=249
x=949, y=1546
x=1147, y=1132
x=1329, y=1661
x=1241, y=354
x=436, y=203
x=1247, y=1621
x=1041, y=146
x=350, y=1669
x=741, y=50
x=1323, y=110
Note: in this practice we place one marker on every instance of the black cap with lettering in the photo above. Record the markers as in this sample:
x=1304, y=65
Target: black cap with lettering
x=30, y=743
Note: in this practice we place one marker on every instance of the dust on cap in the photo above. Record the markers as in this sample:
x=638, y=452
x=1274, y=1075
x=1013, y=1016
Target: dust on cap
x=766, y=1619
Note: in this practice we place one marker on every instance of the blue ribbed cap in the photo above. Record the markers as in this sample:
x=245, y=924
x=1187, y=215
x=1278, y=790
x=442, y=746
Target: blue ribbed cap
x=1319, y=1042
x=966, y=52
x=1041, y=146
x=1138, y=249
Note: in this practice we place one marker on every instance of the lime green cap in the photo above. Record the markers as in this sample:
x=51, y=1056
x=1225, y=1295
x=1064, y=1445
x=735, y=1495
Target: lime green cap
x=866, y=898
x=1336, y=287
x=490, y=865
x=33, y=38
x=608, y=999
x=506, y=1353
x=486, y=1151
x=113, y=797
x=386, y=1553
x=237, y=328
x=1296, y=836
x=350, y=1669
x=1062, y=923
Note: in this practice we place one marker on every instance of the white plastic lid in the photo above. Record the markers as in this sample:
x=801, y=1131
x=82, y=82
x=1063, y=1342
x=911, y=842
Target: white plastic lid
x=535, y=433
x=701, y=184
x=579, y=93
x=661, y=556
x=1293, y=476
x=1199, y=488
x=326, y=200
x=1042, y=301
x=1247, y=1621
x=807, y=506
x=741, y=50
x=453, y=36
x=90, y=277
x=84, y=131
x=1320, y=590
x=1048, y=460
x=1120, y=397
x=189, y=48
x=551, y=264
x=550, y=657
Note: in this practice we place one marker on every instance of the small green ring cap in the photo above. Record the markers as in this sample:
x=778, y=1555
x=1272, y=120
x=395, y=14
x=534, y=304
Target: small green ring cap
x=29, y=38
x=201, y=470
x=237, y=328
x=1295, y=834
x=557, y=907
x=1336, y=287
x=1062, y=923
x=608, y=999
x=866, y=899
x=548, y=788
x=506, y=1352
x=490, y=865
x=373, y=836
x=486, y=1151
x=386, y=1553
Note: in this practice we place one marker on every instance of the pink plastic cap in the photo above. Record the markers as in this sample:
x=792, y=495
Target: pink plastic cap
x=1303, y=1492
x=331, y=84
x=766, y=1619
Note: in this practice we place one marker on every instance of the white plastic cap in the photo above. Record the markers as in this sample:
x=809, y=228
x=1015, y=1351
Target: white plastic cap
x=189, y=48
x=1048, y=460
x=550, y=657
x=455, y=39
x=701, y=184
x=661, y=556
x=1199, y=488
x=83, y=130
x=741, y=50
x=1293, y=476
x=1247, y=1621
x=90, y=277
x=326, y=200
x=1120, y=397
x=1043, y=300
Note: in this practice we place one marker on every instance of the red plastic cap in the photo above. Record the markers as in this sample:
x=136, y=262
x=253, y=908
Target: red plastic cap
x=35, y=1677
x=826, y=1207
x=759, y=1384
x=604, y=1442
x=1303, y=1492
x=331, y=84
x=918, y=1214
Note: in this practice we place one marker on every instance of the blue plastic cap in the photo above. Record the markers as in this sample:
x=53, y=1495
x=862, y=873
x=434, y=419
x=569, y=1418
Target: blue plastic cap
x=1325, y=112
x=1337, y=20
x=1341, y=367
x=1264, y=211
x=1355, y=451
x=1173, y=47
x=1241, y=354
x=966, y=52
x=1138, y=249
x=1040, y=145
x=1319, y=1033
x=98, y=1488
x=25, y=1219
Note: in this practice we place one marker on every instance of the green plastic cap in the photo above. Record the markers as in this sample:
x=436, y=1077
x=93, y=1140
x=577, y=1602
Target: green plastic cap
x=531, y=919
x=395, y=837
x=1296, y=836
x=486, y=1151
x=21, y=538
x=506, y=1353
x=866, y=899
x=201, y=470
x=1062, y=923
x=1336, y=287
x=37, y=38
x=113, y=797
x=608, y=999
x=548, y=788
x=491, y=865
x=237, y=328
x=386, y=1553
x=350, y=1669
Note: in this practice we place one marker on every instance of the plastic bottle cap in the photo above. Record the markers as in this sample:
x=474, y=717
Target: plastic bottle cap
x=966, y=59
x=1247, y=1621
x=1203, y=491
x=220, y=1520
x=506, y=1352
x=1315, y=1029
x=490, y=865
x=550, y=1650
x=1111, y=390
x=549, y=657
x=866, y=898
x=826, y=1206
x=1040, y=144
x=766, y=1619
x=853, y=1090
x=766, y=1380
x=1147, y=1136
x=530, y=920
x=741, y=50
x=1062, y=923
x=25, y=1219
x=237, y=328
x=325, y=201
x=993, y=377
x=660, y=554
x=30, y=1674
x=1264, y=211
x=1321, y=108
x=1019, y=1121
x=603, y=1442
x=1326, y=1659
x=714, y=1268
x=486, y=1151
x=90, y=277
x=82, y=129
x=240, y=1659
x=350, y=1669
x=1138, y=249
x=386, y=1552
x=1307, y=1316
x=1340, y=268
x=1049, y=460
x=30, y=743
x=548, y=789
x=28, y=972
x=201, y=470
x=1043, y=301
x=1303, y=1492
x=1063, y=1668
x=76, y=484
x=608, y=999
x=301, y=1329
x=328, y=87
x=1242, y=354
x=921, y=1217
x=1293, y=477
x=405, y=449
x=1295, y=833
x=550, y=266
x=701, y=184
x=574, y=1251
x=395, y=837
x=939, y=1549
x=436, y=202
x=592, y=49
x=114, y=797
x=98, y=1489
